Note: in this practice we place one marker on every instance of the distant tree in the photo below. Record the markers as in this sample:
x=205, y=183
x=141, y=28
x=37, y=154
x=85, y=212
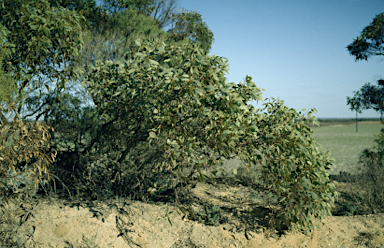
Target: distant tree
x=370, y=42
x=368, y=97
x=160, y=10
x=183, y=24
x=190, y=24
x=117, y=37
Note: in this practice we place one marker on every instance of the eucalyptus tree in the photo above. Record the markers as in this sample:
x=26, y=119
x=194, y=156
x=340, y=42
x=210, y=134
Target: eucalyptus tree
x=40, y=44
x=369, y=43
x=371, y=40
x=46, y=41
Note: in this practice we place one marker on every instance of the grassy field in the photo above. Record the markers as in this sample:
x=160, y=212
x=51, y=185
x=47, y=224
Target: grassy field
x=344, y=143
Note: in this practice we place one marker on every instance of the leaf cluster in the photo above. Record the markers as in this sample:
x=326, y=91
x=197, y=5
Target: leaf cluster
x=24, y=158
x=190, y=24
x=8, y=86
x=371, y=40
x=159, y=10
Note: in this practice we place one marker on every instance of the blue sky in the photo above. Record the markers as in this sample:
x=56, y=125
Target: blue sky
x=295, y=50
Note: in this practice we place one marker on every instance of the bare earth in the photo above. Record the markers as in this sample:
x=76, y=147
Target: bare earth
x=51, y=222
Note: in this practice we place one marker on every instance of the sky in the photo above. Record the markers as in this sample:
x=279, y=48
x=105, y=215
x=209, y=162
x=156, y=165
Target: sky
x=295, y=50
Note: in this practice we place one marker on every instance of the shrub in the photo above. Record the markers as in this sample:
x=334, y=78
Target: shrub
x=166, y=116
x=293, y=168
x=371, y=179
x=210, y=215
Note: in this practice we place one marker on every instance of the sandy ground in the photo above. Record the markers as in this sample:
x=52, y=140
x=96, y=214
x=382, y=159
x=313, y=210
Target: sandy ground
x=51, y=222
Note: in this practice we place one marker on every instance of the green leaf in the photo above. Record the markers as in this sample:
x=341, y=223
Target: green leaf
x=153, y=62
x=210, y=88
x=226, y=132
x=152, y=135
x=199, y=91
x=215, y=77
x=117, y=93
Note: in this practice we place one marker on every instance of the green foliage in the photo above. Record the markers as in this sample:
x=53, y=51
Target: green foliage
x=368, y=97
x=160, y=10
x=142, y=6
x=117, y=37
x=176, y=98
x=46, y=40
x=370, y=41
x=371, y=179
x=190, y=24
x=293, y=168
x=173, y=95
x=8, y=87
x=94, y=16
x=211, y=215
x=164, y=114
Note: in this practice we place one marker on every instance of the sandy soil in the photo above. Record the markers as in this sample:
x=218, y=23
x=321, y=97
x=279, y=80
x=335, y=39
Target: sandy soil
x=50, y=222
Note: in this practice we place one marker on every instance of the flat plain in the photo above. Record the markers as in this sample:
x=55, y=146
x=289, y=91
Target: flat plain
x=345, y=144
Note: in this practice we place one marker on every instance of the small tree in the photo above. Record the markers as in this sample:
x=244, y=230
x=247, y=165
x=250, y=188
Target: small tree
x=368, y=97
